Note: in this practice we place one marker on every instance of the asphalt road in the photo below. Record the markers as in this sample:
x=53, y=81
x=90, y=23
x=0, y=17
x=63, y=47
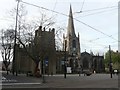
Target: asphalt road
x=58, y=81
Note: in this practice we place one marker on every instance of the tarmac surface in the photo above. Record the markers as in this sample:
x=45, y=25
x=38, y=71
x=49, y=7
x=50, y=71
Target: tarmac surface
x=58, y=81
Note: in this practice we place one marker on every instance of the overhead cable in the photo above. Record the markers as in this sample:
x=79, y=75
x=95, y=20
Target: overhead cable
x=97, y=9
x=73, y=18
x=82, y=6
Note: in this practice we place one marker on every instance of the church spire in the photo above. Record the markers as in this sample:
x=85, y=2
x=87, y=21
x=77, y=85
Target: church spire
x=70, y=29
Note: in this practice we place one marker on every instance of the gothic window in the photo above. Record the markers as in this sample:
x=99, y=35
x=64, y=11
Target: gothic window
x=71, y=63
x=95, y=63
x=100, y=63
x=74, y=44
x=85, y=63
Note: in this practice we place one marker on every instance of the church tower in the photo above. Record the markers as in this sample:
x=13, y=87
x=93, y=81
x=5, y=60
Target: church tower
x=72, y=41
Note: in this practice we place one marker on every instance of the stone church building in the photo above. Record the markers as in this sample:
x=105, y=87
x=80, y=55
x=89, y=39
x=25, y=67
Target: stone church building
x=92, y=62
x=43, y=48
x=75, y=59
x=72, y=43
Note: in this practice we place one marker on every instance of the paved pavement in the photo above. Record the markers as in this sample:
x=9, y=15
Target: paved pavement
x=58, y=81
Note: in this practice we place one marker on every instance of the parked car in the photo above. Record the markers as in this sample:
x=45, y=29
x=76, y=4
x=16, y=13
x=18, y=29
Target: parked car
x=87, y=72
x=115, y=71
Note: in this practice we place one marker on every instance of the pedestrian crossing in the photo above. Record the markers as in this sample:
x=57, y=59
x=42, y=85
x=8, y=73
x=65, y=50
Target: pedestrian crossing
x=3, y=80
x=10, y=82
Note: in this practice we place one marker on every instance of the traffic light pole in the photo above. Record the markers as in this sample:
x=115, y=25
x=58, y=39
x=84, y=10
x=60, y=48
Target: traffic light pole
x=110, y=64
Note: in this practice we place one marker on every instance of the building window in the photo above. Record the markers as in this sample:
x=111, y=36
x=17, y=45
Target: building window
x=74, y=44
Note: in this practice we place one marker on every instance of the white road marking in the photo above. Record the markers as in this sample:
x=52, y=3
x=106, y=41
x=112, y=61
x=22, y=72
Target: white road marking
x=5, y=84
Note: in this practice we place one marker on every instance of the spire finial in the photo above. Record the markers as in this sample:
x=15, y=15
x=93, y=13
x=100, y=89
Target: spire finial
x=70, y=14
x=78, y=35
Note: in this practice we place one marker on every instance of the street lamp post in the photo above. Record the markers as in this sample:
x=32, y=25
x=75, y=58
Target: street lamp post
x=65, y=69
x=43, y=71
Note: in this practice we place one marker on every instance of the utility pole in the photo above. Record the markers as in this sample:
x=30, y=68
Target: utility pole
x=110, y=63
x=65, y=70
x=14, y=49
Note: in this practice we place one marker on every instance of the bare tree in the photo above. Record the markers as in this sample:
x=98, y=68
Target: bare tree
x=37, y=52
x=7, y=38
x=26, y=36
x=59, y=38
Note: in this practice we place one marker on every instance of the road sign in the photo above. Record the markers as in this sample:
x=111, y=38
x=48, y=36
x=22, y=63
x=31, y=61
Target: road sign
x=46, y=62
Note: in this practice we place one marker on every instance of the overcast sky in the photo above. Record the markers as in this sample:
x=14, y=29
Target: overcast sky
x=100, y=18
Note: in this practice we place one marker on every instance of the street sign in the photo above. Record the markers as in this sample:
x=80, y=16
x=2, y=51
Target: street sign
x=62, y=62
x=69, y=70
x=46, y=62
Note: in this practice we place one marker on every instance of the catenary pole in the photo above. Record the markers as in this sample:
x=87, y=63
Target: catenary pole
x=14, y=49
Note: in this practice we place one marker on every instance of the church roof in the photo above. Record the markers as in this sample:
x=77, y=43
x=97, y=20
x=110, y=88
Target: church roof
x=85, y=53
